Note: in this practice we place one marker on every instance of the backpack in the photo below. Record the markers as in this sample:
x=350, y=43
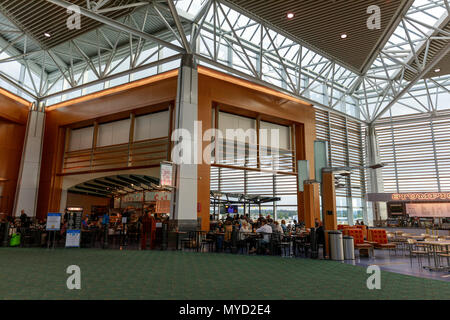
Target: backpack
x=15, y=240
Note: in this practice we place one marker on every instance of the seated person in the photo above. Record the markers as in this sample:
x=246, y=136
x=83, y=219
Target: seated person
x=277, y=228
x=245, y=229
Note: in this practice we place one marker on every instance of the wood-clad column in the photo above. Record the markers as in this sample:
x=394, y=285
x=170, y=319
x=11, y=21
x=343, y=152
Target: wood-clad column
x=131, y=139
x=329, y=201
x=312, y=203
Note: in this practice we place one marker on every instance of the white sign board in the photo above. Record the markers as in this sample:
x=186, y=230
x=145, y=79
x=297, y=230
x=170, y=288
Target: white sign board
x=53, y=221
x=73, y=238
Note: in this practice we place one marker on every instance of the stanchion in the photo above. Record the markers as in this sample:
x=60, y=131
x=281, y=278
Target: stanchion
x=6, y=235
x=105, y=238
x=164, y=236
x=234, y=240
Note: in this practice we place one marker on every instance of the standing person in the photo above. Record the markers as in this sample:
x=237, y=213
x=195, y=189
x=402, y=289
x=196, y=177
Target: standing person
x=321, y=237
x=23, y=218
x=219, y=237
x=146, y=229
x=85, y=223
x=283, y=225
x=316, y=223
x=152, y=231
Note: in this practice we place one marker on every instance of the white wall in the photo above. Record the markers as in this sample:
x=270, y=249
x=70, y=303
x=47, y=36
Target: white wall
x=284, y=135
x=112, y=133
x=231, y=121
x=151, y=126
x=81, y=138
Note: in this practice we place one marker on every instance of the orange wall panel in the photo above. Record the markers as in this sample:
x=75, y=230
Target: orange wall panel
x=13, y=123
x=216, y=88
x=129, y=99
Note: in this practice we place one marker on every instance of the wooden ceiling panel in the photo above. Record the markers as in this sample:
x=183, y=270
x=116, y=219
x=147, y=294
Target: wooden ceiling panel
x=320, y=23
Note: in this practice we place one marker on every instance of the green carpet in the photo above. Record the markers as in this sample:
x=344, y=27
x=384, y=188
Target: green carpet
x=113, y=274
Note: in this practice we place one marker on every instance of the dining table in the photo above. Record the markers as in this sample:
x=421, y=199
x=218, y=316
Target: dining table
x=436, y=247
x=177, y=246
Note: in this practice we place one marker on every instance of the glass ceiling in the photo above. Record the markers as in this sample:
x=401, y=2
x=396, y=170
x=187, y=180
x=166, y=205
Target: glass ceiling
x=225, y=39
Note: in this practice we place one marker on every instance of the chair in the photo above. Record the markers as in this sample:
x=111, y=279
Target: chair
x=285, y=244
x=189, y=241
x=445, y=254
x=379, y=237
x=280, y=245
x=207, y=241
x=415, y=250
x=364, y=230
x=358, y=240
x=302, y=246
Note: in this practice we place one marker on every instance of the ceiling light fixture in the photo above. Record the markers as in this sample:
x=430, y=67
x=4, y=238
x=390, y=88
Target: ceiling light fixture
x=290, y=15
x=437, y=70
x=344, y=36
x=47, y=35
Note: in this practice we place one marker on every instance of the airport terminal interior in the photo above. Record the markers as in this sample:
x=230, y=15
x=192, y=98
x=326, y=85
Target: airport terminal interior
x=225, y=149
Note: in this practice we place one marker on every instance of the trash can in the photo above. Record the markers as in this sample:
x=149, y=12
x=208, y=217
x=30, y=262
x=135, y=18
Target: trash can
x=336, y=245
x=349, y=248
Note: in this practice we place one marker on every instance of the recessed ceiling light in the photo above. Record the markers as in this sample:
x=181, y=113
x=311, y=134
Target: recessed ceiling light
x=344, y=36
x=437, y=70
x=290, y=15
x=47, y=35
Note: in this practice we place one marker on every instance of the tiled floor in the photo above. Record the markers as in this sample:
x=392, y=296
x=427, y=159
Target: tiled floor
x=400, y=263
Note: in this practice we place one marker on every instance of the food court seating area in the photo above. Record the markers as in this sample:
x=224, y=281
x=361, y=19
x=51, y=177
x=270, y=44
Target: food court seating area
x=429, y=251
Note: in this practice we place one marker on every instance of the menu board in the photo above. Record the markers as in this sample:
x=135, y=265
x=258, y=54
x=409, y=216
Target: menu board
x=166, y=174
x=438, y=210
x=162, y=206
x=155, y=196
x=53, y=221
x=73, y=238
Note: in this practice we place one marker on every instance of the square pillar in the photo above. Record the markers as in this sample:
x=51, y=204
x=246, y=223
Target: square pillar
x=186, y=115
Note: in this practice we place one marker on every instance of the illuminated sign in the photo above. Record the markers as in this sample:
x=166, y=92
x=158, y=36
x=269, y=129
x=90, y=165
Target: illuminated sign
x=166, y=174
x=412, y=196
x=441, y=210
x=421, y=196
